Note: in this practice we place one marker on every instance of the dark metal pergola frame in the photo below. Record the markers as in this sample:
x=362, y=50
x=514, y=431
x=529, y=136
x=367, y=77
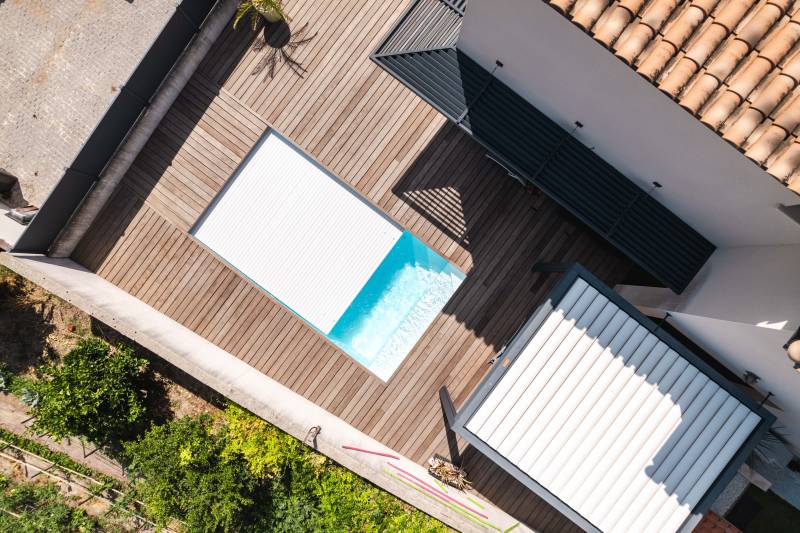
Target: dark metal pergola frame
x=530, y=145
x=456, y=420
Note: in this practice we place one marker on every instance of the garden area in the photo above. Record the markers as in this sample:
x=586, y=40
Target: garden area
x=183, y=458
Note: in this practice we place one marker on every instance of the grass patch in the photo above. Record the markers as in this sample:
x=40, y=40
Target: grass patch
x=41, y=508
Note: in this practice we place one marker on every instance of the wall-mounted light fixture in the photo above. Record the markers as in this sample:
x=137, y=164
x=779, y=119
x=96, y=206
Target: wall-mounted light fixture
x=792, y=348
x=751, y=378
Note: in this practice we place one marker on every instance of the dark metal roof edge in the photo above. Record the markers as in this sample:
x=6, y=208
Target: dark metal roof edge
x=520, y=340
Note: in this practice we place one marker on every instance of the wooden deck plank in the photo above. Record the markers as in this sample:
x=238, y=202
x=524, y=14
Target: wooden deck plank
x=405, y=159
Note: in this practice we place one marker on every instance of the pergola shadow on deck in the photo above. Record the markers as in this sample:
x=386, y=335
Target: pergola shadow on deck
x=398, y=153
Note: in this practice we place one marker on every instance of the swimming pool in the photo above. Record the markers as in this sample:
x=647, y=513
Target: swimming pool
x=334, y=260
x=395, y=307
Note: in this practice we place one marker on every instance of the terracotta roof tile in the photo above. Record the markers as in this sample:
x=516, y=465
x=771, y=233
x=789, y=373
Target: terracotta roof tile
x=794, y=182
x=618, y=19
x=791, y=67
x=636, y=41
x=779, y=45
x=562, y=5
x=786, y=162
x=745, y=80
x=716, y=115
x=698, y=92
x=744, y=126
x=789, y=117
x=589, y=12
x=772, y=138
x=774, y=93
x=735, y=64
x=713, y=523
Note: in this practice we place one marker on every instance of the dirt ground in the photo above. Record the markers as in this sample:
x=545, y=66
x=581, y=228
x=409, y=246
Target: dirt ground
x=36, y=326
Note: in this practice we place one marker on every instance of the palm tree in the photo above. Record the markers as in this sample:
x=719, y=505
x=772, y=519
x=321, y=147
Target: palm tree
x=269, y=9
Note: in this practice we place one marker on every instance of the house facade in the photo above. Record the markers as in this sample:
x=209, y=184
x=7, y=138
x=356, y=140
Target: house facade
x=505, y=145
x=723, y=148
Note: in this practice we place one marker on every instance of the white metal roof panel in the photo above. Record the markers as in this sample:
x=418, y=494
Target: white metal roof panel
x=609, y=419
x=296, y=231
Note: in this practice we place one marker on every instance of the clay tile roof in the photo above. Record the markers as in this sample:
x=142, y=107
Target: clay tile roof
x=713, y=523
x=734, y=64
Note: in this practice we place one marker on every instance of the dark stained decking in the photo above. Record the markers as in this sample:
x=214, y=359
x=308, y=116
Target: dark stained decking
x=401, y=155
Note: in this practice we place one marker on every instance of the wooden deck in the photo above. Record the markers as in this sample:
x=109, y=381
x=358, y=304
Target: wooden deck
x=400, y=154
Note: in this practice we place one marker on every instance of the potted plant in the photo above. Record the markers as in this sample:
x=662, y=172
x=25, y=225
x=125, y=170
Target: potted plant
x=271, y=10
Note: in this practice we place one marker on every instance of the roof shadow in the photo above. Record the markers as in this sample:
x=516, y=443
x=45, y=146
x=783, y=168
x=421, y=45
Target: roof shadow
x=501, y=229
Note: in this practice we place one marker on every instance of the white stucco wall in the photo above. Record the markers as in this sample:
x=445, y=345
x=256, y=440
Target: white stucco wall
x=741, y=347
x=752, y=285
x=742, y=307
x=629, y=122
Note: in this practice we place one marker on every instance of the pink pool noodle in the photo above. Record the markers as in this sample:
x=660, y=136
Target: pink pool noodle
x=370, y=452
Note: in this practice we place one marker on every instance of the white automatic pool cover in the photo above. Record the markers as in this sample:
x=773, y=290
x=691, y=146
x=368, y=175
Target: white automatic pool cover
x=608, y=418
x=297, y=231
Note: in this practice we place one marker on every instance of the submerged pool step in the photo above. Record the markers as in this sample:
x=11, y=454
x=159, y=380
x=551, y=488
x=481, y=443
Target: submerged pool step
x=396, y=306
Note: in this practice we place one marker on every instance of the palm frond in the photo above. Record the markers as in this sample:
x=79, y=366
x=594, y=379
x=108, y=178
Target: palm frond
x=241, y=11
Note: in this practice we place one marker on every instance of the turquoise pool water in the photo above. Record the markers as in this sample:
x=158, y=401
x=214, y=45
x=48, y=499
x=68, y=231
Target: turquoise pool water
x=396, y=305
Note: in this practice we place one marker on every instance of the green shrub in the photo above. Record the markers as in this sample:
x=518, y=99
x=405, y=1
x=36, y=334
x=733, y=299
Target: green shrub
x=96, y=393
x=243, y=474
x=267, y=450
x=40, y=508
x=181, y=473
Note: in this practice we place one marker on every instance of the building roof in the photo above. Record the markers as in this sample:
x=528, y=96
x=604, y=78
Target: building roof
x=609, y=418
x=420, y=51
x=734, y=64
x=62, y=65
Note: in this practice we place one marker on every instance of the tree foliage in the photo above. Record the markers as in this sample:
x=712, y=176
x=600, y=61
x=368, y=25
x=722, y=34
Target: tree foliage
x=182, y=473
x=258, y=8
x=96, y=393
x=243, y=474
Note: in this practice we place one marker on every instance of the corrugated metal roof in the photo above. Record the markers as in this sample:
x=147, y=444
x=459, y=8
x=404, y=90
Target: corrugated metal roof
x=314, y=231
x=608, y=417
x=535, y=147
x=442, y=24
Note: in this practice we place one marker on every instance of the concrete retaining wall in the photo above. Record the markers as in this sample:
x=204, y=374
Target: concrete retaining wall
x=253, y=390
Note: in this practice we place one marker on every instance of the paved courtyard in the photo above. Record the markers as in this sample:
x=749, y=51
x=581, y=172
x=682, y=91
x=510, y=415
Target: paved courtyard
x=55, y=87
